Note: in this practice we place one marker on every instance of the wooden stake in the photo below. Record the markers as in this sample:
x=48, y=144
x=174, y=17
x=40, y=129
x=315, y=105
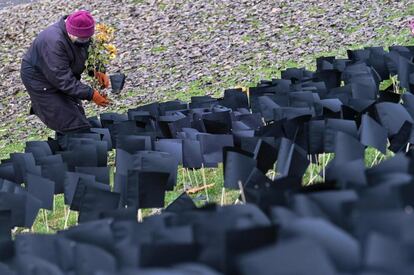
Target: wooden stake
x=312, y=179
x=375, y=159
x=198, y=189
x=77, y=217
x=274, y=171
x=66, y=219
x=189, y=177
x=204, y=181
x=139, y=215
x=223, y=194
x=195, y=177
x=327, y=160
x=324, y=163
x=311, y=173
x=323, y=167
x=242, y=192
x=45, y=220
x=379, y=160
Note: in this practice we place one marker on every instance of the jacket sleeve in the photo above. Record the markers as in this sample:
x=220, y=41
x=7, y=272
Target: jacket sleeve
x=55, y=66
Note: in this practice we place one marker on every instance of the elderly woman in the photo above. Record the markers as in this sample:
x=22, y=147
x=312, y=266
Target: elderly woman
x=51, y=72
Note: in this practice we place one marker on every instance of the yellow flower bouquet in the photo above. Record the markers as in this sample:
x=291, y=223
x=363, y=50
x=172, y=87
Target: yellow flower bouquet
x=101, y=51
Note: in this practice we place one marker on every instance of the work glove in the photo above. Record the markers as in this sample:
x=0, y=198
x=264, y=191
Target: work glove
x=100, y=100
x=103, y=79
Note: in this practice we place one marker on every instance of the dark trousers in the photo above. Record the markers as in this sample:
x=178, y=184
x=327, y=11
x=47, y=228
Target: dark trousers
x=75, y=131
x=62, y=137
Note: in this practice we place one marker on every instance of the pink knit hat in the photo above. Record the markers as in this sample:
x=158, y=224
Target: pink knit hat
x=80, y=24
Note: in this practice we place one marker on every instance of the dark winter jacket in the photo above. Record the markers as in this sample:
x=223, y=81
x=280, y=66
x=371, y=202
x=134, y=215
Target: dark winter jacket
x=51, y=72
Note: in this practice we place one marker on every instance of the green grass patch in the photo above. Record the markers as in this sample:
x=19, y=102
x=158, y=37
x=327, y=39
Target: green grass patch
x=159, y=49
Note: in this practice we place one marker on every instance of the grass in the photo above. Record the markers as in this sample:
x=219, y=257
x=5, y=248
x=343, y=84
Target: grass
x=204, y=85
x=186, y=179
x=56, y=218
x=159, y=49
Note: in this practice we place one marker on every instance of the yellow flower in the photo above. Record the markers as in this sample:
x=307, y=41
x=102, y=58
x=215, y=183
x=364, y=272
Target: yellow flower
x=101, y=27
x=102, y=37
x=110, y=30
x=104, y=32
x=102, y=49
x=111, y=48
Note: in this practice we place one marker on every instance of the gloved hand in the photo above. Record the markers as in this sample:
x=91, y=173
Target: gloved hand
x=102, y=78
x=100, y=100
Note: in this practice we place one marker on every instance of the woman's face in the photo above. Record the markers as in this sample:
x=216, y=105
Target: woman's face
x=78, y=39
x=81, y=42
x=72, y=37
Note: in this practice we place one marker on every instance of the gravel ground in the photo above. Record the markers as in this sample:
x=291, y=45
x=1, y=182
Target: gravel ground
x=6, y=3
x=167, y=46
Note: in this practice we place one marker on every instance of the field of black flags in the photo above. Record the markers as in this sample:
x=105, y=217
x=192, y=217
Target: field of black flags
x=349, y=217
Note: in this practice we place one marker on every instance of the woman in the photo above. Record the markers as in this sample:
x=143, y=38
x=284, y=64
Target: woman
x=51, y=72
